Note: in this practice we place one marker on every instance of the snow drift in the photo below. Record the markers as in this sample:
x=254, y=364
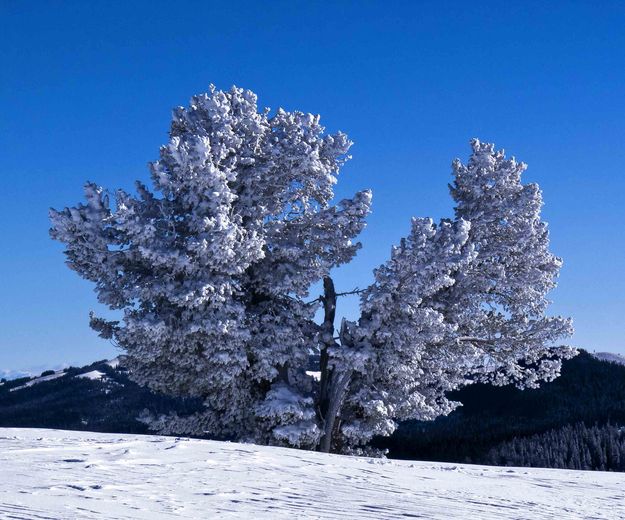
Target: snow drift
x=62, y=475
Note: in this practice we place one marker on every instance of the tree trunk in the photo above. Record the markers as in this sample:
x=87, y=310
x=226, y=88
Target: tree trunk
x=332, y=385
x=339, y=390
x=327, y=341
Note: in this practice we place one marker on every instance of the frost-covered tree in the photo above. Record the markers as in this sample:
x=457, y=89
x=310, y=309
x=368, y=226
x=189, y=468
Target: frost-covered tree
x=455, y=304
x=212, y=266
x=499, y=303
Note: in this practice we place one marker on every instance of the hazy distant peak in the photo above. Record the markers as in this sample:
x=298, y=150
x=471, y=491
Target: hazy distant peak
x=609, y=356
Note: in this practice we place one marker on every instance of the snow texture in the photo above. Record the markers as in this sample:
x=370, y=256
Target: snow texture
x=66, y=475
x=94, y=375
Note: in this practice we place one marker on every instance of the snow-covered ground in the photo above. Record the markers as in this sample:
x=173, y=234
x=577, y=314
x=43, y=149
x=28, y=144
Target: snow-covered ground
x=94, y=375
x=61, y=475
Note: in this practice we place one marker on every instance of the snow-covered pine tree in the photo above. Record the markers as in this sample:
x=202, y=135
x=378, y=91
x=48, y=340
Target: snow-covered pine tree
x=211, y=269
x=499, y=303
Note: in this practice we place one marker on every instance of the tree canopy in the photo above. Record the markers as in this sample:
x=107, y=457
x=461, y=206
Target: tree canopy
x=212, y=266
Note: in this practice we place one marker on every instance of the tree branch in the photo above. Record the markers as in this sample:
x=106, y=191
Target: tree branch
x=336, y=295
x=471, y=339
x=353, y=291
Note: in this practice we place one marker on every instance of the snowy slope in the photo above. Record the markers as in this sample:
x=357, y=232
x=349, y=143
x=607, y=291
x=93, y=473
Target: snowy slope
x=94, y=375
x=40, y=379
x=62, y=475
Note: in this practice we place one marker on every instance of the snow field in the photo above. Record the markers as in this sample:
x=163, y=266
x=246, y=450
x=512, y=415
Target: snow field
x=53, y=474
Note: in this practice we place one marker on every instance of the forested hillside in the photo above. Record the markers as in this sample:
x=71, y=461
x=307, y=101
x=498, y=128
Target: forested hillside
x=589, y=391
x=571, y=447
x=98, y=397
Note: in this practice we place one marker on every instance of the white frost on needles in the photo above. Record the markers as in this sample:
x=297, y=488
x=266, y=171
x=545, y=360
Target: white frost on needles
x=211, y=267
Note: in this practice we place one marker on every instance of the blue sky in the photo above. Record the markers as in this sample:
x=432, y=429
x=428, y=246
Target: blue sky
x=87, y=89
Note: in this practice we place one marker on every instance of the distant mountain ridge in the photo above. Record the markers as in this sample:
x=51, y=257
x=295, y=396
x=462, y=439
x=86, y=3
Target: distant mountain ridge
x=610, y=357
x=7, y=375
x=97, y=397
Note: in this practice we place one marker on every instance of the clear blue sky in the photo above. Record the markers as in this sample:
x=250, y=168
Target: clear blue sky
x=87, y=88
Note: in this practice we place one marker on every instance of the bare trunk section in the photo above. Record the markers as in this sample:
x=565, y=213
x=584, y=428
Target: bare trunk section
x=340, y=384
x=332, y=386
x=327, y=340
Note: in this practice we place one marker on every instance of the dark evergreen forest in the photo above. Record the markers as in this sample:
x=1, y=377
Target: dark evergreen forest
x=572, y=446
x=506, y=426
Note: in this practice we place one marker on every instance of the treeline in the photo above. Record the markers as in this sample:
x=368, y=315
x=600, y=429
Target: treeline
x=572, y=447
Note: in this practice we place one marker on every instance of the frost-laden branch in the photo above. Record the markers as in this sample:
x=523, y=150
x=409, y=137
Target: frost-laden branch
x=320, y=299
